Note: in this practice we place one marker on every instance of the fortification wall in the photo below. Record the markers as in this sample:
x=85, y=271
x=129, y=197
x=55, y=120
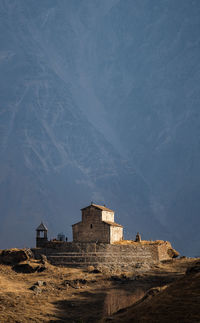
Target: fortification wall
x=105, y=255
x=164, y=250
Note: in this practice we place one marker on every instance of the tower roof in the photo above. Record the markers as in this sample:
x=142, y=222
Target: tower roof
x=100, y=207
x=41, y=227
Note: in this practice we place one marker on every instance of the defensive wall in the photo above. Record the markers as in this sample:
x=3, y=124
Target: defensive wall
x=80, y=254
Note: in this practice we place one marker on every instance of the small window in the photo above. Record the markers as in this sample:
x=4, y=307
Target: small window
x=91, y=226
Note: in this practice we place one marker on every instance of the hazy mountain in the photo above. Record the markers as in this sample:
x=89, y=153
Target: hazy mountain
x=99, y=100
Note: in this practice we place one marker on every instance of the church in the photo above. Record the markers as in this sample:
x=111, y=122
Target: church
x=97, y=225
x=98, y=240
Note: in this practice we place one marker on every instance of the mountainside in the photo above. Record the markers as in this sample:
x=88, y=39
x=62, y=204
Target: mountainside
x=99, y=101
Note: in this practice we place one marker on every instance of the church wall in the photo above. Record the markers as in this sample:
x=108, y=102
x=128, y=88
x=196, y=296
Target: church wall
x=91, y=231
x=91, y=214
x=107, y=216
x=116, y=233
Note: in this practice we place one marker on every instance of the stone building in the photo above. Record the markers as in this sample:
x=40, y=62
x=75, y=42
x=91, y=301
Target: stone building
x=41, y=235
x=97, y=225
x=98, y=241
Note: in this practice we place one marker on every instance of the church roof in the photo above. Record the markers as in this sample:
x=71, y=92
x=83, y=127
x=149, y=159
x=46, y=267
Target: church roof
x=114, y=224
x=41, y=227
x=77, y=223
x=100, y=207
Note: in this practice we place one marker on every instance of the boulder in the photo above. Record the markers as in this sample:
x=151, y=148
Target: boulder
x=36, y=289
x=40, y=269
x=95, y=271
x=40, y=283
x=90, y=268
x=172, y=253
x=24, y=268
x=154, y=291
x=27, y=268
x=76, y=283
x=43, y=259
x=14, y=256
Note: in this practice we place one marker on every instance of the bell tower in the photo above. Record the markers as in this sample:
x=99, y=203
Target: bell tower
x=41, y=235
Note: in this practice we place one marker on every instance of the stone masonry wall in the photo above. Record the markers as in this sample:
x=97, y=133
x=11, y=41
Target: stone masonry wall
x=105, y=255
x=91, y=231
x=116, y=233
x=107, y=216
x=163, y=250
x=91, y=214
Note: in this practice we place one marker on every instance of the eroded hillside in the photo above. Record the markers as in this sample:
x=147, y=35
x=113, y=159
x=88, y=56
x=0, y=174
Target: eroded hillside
x=56, y=294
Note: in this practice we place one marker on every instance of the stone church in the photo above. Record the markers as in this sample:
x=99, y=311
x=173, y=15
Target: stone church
x=97, y=225
x=97, y=241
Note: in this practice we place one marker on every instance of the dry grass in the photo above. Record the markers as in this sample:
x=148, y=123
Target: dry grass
x=60, y=302
x=20, y=304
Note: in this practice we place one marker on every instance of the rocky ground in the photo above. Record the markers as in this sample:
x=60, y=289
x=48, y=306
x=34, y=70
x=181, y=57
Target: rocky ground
x=35, y=291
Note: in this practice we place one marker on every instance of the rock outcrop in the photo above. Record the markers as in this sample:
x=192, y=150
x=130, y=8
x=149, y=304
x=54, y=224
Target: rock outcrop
x=15, y=256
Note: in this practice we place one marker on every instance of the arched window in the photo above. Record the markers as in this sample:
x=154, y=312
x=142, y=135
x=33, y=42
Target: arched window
x=91, y=226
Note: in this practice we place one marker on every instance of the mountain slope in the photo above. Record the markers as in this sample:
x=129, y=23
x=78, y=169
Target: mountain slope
x=99, y=101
